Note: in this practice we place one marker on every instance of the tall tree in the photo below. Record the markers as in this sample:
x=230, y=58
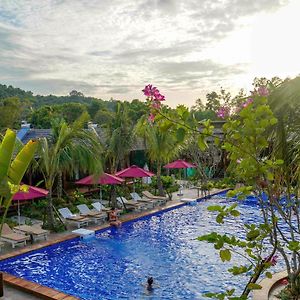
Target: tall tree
x=71, y=149
x=161, y=145
x=119, y=138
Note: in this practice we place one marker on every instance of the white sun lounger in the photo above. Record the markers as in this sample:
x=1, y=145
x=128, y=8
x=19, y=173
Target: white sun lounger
x=72, y=218
x=96, y=215
x=161, y=199
x=130, y=204
x=149, y=202
x=100, y=207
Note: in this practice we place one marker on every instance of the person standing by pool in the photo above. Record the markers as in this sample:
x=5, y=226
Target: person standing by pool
x=113, y=218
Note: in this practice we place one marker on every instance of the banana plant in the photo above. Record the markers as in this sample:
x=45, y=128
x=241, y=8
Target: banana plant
x=12, y=168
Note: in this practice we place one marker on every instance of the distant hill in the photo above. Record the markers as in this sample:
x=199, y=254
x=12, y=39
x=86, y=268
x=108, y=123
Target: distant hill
x=40, y=110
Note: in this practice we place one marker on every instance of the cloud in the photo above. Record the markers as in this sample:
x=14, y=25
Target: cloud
x=104, y=48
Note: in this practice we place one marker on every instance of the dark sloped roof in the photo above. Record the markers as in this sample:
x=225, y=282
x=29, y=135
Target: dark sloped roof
x=33, y=134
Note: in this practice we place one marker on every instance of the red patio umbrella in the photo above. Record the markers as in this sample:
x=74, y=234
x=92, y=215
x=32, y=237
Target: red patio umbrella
x=102, y=180
x=32, y=193
x=134, y=172
x=179, y=164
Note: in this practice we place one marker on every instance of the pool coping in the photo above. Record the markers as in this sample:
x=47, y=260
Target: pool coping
x=49, y=293
x=268, y=284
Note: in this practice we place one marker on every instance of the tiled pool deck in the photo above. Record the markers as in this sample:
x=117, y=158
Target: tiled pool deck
x=43, y=292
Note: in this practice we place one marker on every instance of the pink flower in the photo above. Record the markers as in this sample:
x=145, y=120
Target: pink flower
x=238, y=161
x=249, y=101
x=147, y=90
x=223, y=112
x=156, y=105
x=263, y=91
x=154, y=98
x=151, y=118
x=160, y=97
x=274, y=260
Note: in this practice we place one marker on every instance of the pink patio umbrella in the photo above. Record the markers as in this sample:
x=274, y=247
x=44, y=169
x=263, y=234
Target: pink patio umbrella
x=179, y=164
x=134, y=172
x=32, y=193
x=102, y=180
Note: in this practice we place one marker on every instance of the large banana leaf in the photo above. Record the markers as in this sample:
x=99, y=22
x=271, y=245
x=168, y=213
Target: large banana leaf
x=6, y=152
x=21, y=162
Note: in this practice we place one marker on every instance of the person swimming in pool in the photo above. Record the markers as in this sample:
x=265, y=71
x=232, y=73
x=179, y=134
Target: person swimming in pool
x=149, y=286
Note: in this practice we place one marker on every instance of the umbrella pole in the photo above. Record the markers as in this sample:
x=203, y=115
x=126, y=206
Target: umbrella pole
x=19, y=213
x=100, y=193
x=180, y=185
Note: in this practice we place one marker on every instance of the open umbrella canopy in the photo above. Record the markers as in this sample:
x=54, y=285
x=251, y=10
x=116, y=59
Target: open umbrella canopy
x=179, y=164
x=32, y=193
x=134, y=172
x=103, y=179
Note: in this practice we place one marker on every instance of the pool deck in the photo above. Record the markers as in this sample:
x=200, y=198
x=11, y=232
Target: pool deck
x=43, y=292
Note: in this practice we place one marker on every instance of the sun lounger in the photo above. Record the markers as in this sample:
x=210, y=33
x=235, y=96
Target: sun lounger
x=35, y=232
x=72, y=218
x=150, y=202
x=9, y=236
x=130, y=204
x=148, y=195
x=100, y=207
x=96, y=215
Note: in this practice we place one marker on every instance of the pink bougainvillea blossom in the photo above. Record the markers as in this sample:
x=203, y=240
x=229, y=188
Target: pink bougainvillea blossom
x=153, y=93
x=154, y=98
x=148, y=90
x=160, y=97
x=151, y=117
x=263, y=91
x=223, y=112
x=249, y=101
x=274, y=260
x=156, y=105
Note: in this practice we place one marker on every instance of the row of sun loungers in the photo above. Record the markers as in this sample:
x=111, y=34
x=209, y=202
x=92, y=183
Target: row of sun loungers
x=99, y=213
x=21, y=234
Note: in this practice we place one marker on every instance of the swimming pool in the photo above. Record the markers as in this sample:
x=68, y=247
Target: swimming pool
x=117, y=262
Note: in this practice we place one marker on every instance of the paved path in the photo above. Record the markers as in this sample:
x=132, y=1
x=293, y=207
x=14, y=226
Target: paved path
x=13, y=294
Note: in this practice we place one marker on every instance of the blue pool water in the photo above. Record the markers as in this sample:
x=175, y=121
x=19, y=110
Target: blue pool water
x=117, y=262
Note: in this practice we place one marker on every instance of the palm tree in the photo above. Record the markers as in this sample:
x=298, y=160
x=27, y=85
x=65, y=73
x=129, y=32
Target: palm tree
x=71, y=149
x=119, y=138
x=161, y=145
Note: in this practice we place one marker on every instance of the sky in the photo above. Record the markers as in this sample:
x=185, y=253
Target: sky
x=113, y=48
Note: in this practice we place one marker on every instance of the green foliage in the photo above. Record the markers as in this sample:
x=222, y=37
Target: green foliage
x=10, y=112
x=12, y=169
x=72, y=149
